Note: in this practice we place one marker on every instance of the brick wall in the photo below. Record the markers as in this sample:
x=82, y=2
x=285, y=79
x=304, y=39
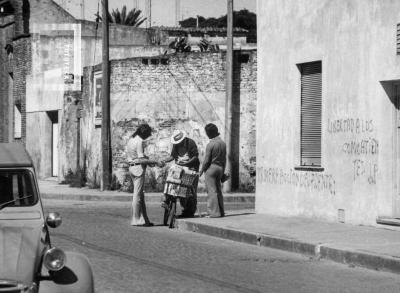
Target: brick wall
x=183, y=91
x=22, y=68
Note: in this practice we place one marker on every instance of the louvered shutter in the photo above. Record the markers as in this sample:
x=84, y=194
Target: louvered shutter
x=398, y=39
x=311, y=107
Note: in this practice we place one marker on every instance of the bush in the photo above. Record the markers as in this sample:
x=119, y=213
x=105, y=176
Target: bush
x=77, y=179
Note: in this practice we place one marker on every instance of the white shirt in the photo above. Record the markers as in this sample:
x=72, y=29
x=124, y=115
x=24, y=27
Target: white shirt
x=134, y=148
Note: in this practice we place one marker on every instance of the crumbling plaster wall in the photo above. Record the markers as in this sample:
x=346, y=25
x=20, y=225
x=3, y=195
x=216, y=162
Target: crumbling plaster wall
x=183, y=91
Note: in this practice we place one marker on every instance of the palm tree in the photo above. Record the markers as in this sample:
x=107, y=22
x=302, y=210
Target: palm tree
x=133, y=18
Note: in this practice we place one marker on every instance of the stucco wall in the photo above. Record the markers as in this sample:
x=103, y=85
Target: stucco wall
x=39, y=146
x=186, y=93
x=356, y=42
x=47, y=11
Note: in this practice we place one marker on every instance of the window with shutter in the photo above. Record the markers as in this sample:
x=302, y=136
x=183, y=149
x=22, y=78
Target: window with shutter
x=398, y=39
x=311, y=107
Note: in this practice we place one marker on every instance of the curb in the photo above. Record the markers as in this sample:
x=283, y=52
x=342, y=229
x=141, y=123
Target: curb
x=316, y=250
x=127, y=197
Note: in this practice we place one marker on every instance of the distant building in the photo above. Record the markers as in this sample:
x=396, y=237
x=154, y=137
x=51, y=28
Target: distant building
x=328, y=140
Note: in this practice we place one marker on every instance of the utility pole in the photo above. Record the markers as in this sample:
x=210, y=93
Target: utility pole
x=148, y=12
x=177, y=12
x=83, y=9
x=229, y=95
x=105, y=123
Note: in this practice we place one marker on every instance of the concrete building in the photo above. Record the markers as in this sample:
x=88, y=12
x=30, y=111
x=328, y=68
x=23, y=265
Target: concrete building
x=43, y=51
x=328, y=143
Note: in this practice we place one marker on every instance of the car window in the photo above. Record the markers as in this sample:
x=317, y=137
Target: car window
x=17, y=186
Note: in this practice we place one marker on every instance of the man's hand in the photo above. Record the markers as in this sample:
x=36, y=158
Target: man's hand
x=160, y=164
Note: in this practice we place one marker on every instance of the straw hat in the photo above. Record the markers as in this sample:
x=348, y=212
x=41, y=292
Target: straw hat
x=178, y=136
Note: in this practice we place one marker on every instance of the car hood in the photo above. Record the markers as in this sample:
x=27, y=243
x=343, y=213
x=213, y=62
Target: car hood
x=21, y=247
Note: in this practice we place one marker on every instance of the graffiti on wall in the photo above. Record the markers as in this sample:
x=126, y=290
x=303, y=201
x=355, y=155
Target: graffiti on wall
x=358, y=147
x=350, y=125
x=365, y=168
x=363, y=148
x=305, y=180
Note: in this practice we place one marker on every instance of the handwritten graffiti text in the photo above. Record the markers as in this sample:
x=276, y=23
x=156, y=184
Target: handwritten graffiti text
x=368, y=146
x=350, y=125
x=311, y=181
x=365, y=169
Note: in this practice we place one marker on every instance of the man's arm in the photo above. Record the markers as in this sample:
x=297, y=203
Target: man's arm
x=143, y=159
x=191, y=160
x=207, y=159
x=169, y=159
x=172, y=156
x=147, y=161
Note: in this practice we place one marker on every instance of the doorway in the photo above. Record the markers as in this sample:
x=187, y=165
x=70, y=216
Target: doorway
x=53, y=115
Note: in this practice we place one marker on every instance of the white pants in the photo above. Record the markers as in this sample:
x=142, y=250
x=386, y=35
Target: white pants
x=139, y=213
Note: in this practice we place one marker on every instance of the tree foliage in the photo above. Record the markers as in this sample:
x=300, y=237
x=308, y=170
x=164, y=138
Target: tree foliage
x=180, y=45
x=132, y=18
x=241, y=19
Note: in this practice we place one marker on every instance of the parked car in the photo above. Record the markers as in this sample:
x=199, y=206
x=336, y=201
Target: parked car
x=29, y=262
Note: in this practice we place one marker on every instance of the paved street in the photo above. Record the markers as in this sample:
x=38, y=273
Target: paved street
x=158, y=259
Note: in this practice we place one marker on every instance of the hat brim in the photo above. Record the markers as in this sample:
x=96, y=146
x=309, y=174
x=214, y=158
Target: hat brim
x=173, y=141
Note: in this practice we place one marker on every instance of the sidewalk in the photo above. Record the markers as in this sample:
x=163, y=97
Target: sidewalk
x=370, y=247
x=50, y=189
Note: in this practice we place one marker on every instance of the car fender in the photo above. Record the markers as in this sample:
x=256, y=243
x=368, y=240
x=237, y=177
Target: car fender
x=75, y=277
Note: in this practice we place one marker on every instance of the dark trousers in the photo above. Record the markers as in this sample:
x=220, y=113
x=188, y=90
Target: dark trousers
x=215, y=200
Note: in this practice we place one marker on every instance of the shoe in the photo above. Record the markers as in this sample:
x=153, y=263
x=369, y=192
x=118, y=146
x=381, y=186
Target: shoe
x=148, y=225
x=184, y=216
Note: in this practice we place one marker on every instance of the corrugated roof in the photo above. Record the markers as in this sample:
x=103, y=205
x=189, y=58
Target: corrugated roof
x=14, y=155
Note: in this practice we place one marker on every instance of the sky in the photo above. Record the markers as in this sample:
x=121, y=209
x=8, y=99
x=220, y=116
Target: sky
x=163, y=11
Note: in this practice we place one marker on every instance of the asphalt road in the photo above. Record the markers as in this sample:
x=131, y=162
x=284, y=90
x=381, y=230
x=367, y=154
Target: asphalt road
x=158, y=259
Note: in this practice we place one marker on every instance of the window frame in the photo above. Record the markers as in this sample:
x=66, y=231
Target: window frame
x=31, y=176
x=310, y=116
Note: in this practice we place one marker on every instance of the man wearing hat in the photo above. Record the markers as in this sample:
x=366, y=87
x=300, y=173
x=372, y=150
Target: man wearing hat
x=185, y=153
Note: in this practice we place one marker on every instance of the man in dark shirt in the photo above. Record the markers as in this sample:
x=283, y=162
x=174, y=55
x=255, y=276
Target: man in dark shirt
x=214, y=168
x=185, y=153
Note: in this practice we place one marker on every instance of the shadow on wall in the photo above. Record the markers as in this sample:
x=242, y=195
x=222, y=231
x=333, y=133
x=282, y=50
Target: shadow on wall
x=390, y=87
